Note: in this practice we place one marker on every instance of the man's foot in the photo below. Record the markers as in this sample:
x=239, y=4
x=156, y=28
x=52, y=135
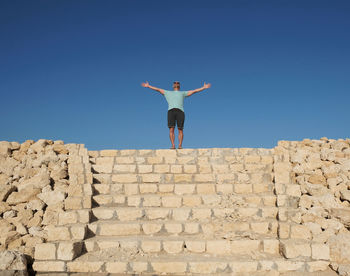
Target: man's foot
x=172, y=147
x=179, y=147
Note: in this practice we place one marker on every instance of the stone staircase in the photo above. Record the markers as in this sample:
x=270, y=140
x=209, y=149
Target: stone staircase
x=186, y=211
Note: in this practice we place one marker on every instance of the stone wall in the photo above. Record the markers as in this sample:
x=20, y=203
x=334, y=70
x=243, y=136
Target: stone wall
x=312, y=180
x=44, y=187
x=46, y=201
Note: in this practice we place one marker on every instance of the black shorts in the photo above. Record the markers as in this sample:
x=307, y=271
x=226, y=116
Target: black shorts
x=176, y=115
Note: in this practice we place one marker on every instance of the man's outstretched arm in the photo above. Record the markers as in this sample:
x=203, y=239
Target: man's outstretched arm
x=146, y=84
x=205, y=86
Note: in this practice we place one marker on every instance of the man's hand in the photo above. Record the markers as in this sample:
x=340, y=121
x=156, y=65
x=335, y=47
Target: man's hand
x=145, y=84
x=205, y=86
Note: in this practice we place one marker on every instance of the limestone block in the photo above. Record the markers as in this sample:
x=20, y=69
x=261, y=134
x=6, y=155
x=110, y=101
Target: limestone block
x=190, y=168
x=73, y=203
x=206, y=188
x=155, y=160
x=224, y=188
x=107, y=153
x=300, y=232
x=317, y=266
x=339, y=248
x=68, y=251
x=129, y=214
x=244, y=246
x=124, y=178
x=116, y=267
x=134, y=201
x=151, y=178
x=191, y=200
x=81, y=266
x=286, y=265
x=150, y=246
x=24, y=195
x=282, y=172
x=145, y=168
x=201, y=213
x=244, y=266
x=204, y=168
x=104, y=168
x=243, y=188
x=176, y=168
x=57, y=233
x=185, y=178
x=261, y=187
x=124, y=168
x=204, y=177
x=211, y=199
x=152, y=201
x=148, y=188
x=171, y=201
x=206, y=267
x=78, y=232
x=139, y=267
x=195, y=246
x=151, y=228
x=67, y=217
x=157, y=213
x=49, y=266
x=181, y=214
x=124, y=160
x=166, y=188
x=173, y=247
x=218, y=247
x=107, y=244
x=271, y=246
x=102, y=213
x=131, y=189
x=161, y=168
x=45, y=251
x=84, y=216
x=173, y=228
x=320, y=251
x=186, y=160
x=182, y=189
x=260, y=227
x=169, y=267
x=293, y=249
x=107, y=229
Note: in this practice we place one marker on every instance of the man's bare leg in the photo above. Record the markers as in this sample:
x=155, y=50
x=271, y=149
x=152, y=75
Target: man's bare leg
x=172, y=136
x=181, y=137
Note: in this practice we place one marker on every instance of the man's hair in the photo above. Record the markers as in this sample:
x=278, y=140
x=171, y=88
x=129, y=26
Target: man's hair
x=177, y=82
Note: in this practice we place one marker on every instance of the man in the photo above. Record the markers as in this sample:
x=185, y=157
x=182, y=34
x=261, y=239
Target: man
x=176, y=113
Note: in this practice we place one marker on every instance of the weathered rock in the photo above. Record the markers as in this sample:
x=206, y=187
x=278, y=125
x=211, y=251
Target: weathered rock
x=5, y=190
x=339, y=248
x=5, y=148
x=8, y=237
x=52, y=197
x=35, y=204
x=341, y=214
x=4, y=207
x=345, y=195
x=39, y=146
x=60, y=149
x=25, y=195
x=40, y=180
x=4, y=179
x=12, y=260
x=7, y=165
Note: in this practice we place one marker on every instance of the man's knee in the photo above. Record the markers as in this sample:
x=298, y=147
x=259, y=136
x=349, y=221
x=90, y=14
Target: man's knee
x=172, y=129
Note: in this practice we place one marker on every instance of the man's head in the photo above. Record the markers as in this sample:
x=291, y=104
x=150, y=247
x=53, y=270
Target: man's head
x=176, y=85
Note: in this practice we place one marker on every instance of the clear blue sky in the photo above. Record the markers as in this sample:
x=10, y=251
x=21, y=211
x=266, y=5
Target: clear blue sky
x=72, y=70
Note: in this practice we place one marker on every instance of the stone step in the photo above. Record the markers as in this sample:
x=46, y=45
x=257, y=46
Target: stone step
x=257, y=189
x=214, y=228
x=196, y=200
x=259, y=175
x=260, y=248
x=179, y=265
x=238, y=214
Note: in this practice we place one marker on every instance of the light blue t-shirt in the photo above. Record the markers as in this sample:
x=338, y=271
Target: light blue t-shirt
x=175, y=99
